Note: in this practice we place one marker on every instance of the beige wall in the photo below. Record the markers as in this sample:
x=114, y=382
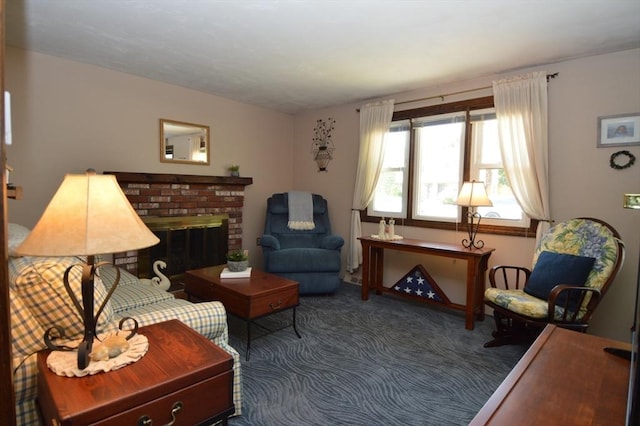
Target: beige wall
x=69, y=116
x=582, y=183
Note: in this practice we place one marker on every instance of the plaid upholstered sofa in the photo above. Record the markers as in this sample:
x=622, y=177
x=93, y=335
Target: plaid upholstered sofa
x=38, y=300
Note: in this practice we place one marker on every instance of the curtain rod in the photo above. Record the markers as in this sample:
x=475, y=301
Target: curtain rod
x=549, y=77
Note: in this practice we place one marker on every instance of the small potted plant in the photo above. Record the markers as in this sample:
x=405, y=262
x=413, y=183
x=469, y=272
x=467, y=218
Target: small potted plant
x=234, y=170
x=238, y=260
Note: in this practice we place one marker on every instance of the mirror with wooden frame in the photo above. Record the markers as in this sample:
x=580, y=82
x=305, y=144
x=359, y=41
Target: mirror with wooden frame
x=182, y=142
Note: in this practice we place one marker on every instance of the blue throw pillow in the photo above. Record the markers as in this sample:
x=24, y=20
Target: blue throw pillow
x=558, y=268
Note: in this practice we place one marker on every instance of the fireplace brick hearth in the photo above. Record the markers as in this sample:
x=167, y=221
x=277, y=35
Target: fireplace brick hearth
x=171, y=195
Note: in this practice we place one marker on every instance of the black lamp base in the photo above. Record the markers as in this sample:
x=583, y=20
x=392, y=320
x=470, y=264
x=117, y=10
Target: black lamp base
x=85, y=309
x=472, y=228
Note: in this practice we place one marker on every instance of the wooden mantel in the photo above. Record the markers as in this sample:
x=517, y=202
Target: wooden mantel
x=125, y=177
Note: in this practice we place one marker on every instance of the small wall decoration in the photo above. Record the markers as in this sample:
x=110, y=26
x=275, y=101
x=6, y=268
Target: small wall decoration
x=621, y=160
x=322, y=146
x=632, y=201
x=619, y=130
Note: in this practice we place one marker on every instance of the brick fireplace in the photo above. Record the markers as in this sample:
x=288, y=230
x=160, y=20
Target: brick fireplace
x=155, y=195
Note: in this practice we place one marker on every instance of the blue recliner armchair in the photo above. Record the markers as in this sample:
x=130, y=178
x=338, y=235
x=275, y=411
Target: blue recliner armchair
x=310, y=257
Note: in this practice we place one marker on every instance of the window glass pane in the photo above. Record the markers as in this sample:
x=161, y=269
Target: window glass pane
x=488, y=169
x=439, y=148
x=389, y=198
x=505, y=205
x=486, y=152
x=395, y=149
x=388, y=194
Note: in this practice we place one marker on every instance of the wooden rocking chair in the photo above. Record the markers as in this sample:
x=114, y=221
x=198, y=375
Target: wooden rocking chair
x=573, y=266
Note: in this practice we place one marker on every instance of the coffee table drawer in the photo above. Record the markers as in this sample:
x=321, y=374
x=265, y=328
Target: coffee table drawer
x=274, y=302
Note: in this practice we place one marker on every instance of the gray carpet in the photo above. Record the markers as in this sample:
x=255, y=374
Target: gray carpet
x=386, y=361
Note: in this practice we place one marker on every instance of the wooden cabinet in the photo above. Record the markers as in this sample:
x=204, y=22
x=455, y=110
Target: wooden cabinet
x=565, y=378
x=182, y=372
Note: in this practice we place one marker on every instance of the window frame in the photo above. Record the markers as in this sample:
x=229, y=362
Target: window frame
x=467, y=106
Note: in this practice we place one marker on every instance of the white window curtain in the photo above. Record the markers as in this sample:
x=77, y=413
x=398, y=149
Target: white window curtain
x=521, y=111
x=374, y=123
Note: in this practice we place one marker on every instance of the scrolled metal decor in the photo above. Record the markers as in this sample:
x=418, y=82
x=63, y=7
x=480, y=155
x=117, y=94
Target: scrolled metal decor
x=471, y=242
x=85, y=309
x=322, y=146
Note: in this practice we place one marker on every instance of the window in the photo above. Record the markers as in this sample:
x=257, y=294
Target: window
x=389, y=199
x=428, y=153
x=439, y=148
x=486, y=166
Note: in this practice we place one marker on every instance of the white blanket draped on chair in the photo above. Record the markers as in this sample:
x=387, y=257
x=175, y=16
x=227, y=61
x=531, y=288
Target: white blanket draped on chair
x=300, y=211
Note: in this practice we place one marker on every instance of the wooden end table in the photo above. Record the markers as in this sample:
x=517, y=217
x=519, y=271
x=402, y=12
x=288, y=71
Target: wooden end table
x=250, y=298
x=183, y=376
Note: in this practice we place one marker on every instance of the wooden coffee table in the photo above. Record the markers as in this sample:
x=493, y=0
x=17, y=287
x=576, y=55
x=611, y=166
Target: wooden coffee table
x=250, y=298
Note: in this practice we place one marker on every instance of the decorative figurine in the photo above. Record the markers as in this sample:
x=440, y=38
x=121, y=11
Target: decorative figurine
x=160, y=281
x=111, y=347
x=382, y=229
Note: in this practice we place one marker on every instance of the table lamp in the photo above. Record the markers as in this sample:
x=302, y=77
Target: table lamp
x=473, y=194
x=87, y=216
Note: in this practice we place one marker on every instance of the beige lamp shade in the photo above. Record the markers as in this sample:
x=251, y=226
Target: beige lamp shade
x=88, y=215
x=473, y=194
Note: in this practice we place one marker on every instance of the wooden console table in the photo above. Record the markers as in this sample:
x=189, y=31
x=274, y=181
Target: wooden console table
x=477, y=260
x=565, y=378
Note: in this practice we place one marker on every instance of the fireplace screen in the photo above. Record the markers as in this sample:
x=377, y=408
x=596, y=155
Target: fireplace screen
x=186, y=242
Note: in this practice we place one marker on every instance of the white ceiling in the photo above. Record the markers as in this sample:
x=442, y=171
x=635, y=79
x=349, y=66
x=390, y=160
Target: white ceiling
x=295, y=55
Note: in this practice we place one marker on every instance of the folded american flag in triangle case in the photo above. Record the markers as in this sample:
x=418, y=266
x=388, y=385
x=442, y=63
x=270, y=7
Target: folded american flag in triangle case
x=419, y=283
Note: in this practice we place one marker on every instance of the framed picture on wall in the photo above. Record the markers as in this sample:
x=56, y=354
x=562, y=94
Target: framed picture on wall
x=619, y=130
